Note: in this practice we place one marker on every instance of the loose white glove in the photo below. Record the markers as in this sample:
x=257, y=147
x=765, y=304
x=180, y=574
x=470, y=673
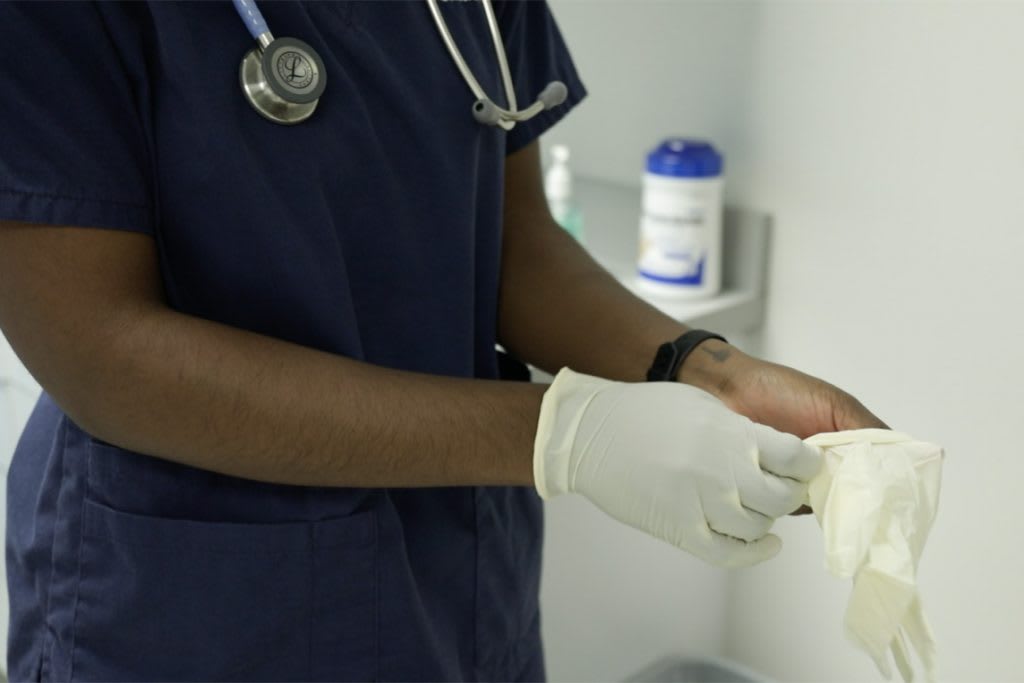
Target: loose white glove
x=876, y=498
x=672, y=461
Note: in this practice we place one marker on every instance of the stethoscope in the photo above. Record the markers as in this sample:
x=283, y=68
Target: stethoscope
x=283, y=78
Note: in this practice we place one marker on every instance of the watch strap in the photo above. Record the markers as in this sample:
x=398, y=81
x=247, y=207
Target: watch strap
x=670, y=355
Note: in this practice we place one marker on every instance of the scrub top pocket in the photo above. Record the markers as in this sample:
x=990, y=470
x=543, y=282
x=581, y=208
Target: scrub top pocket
x=169, y=599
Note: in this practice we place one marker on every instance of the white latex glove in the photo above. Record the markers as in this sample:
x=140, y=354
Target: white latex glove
x=672, y=461
x=876, y=499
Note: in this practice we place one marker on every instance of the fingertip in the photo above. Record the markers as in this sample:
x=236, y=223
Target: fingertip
x=736, y=554
x=765, y=549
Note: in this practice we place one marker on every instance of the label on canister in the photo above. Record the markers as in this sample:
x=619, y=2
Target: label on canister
x=680, y=227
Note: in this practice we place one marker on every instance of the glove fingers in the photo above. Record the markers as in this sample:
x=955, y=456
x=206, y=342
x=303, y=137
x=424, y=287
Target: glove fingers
x=768, y=494
x=739, y=523
x=786, y=455
x=727, y=552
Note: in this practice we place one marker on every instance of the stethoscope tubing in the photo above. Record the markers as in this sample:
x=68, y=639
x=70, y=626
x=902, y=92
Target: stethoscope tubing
x=251, y=17
x=456, y=53
x=499, y=50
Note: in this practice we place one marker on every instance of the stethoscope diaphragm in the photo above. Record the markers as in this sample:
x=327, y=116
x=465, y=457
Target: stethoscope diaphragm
x=283, y=81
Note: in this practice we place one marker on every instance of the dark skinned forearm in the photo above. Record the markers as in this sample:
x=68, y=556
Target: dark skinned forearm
x=560, y=308
x=219, y=398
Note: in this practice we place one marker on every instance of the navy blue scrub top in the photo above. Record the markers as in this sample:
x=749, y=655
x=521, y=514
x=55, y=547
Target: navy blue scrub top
x=371, y=231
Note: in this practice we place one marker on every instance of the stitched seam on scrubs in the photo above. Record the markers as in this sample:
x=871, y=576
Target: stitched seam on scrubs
x=46, y=649
x=312, y=603
x=200, y=549
x=477, y=665
x=78, y=582
x=93, y=200
x=376, y=597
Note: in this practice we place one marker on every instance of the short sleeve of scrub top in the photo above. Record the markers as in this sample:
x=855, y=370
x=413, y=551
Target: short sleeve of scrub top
x=371, y=231
x=74, y=150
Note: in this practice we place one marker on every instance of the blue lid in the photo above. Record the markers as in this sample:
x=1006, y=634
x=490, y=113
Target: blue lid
x=685, y=158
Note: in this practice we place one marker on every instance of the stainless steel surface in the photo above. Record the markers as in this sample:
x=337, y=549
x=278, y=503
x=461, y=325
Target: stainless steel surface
x=697, y=670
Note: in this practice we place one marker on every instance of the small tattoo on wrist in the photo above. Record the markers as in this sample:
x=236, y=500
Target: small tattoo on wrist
x=720, y=355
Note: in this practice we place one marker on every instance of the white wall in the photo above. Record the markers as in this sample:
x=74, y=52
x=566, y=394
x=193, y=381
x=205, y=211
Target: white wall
x=653, y=69
x=614, y=600
x=888, y=141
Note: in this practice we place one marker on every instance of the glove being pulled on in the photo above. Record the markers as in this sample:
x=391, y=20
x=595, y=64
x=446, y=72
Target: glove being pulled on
x=876, y=498
x=672, y=461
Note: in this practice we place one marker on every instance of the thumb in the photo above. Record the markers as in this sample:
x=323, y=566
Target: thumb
x=732, y=553
x=785, y=455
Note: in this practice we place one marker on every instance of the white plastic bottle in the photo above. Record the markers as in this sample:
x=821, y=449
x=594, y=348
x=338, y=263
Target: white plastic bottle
x=680, y=252
x=558, y=189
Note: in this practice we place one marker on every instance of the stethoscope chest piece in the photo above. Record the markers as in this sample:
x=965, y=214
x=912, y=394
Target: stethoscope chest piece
x=283, y=80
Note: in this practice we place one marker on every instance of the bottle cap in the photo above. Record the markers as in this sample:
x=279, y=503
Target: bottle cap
x=685, y=158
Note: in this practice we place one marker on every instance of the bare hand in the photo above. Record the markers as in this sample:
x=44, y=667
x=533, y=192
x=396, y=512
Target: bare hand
x=774, y=395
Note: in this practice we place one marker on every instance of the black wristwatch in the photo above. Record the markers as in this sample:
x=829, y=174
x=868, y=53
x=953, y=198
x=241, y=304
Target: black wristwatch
x=671, y=355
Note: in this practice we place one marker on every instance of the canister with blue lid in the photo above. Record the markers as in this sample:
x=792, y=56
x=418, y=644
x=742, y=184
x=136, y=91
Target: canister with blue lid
x=680, y=252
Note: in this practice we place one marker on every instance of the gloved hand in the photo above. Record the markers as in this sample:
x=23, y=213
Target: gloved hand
x=673, y=461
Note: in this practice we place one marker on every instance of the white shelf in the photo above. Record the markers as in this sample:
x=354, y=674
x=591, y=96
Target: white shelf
x=611, y=214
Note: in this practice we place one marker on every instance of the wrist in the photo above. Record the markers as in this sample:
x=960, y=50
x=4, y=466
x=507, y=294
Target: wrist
x=562, y=410
x=712, y=366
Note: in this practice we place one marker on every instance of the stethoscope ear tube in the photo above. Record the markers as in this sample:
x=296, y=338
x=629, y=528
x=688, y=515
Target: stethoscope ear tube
x=486, y=112
x=553, y=94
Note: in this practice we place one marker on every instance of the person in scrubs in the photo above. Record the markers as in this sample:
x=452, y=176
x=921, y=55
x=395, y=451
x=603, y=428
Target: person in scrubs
x=273, y=443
